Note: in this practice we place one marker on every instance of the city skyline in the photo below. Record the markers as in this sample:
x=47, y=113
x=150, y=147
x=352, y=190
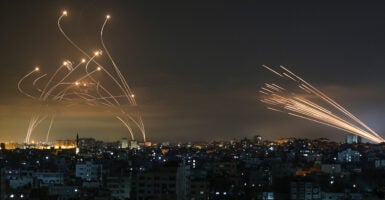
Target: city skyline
x=195, y=68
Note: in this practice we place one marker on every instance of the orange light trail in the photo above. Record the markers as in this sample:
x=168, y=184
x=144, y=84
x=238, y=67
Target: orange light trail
x=284, y=99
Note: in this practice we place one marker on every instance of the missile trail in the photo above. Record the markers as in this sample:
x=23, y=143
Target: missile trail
x=291, y=100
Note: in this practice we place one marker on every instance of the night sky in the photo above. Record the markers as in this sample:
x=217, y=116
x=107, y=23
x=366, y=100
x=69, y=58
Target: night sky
x=195, y=65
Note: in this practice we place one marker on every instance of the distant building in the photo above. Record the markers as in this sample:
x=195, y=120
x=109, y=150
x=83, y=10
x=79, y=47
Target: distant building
x=349, y=155
x=65, y=144
x=133, y=144
x=87, y=143
x=352, y=139
x=124, y=143
x=257, y=139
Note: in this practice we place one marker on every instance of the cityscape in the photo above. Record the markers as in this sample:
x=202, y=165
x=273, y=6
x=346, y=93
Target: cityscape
x=192, y=100
x=242, y=168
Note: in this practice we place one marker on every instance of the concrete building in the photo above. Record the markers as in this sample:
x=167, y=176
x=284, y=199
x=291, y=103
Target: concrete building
x=133, y=144
x=120, y=187
x=331, y=168
x=352, y=139
x=88, y=171
x=348, y=156
x=183, y=181
x=49, y=178
x=159, y=183
x=301, y=190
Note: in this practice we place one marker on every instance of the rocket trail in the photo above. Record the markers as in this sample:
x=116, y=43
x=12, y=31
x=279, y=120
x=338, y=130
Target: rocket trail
x=292, y=101
x=74, y=83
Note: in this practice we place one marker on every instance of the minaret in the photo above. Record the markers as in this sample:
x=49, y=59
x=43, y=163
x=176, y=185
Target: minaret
x=77, y=140
x=77, y=144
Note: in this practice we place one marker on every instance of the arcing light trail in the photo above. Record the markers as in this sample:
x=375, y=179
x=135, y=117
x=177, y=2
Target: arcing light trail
x=298, y=104
x=74, y=83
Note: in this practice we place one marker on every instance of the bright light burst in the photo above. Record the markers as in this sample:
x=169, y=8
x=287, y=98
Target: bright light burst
x=295, y=98
x=85, y=81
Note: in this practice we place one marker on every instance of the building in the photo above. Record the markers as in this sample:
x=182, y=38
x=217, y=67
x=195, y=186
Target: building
x=49, y=178
x=89, y=171
x=65, y=144
x=379, y=163
x=124, y=143
x=133, y=144
x=158, y=183
x=331, y=168
x=348, y=156
x=64, y=192
x=257, y=139
x=183, y=181
x=352, y=139
x=120, y=187
x=301, y=190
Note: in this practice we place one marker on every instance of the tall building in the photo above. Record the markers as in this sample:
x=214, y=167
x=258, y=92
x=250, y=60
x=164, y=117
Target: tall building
x=183, y=181
x=352, y=139
x=2, y=184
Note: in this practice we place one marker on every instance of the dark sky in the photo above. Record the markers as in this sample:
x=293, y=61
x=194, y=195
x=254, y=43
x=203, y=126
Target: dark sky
x=195, y=65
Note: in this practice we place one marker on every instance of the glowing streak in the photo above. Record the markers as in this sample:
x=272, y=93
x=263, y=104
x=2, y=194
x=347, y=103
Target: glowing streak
x=66, y=90
x=268, y=68
x=287, y=75
x=273, y=109
x=263, y=92
x=127, y=126
x=306, y=109
x=22, y=79
x=37, y=79
x=49, y=128
x=332, y=102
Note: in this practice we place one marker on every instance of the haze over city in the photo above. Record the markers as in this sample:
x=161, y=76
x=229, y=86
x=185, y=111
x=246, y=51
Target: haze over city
x=195, y=68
